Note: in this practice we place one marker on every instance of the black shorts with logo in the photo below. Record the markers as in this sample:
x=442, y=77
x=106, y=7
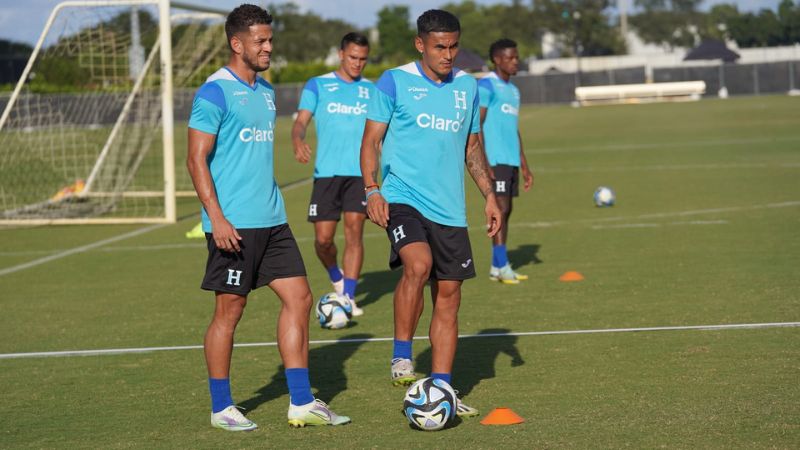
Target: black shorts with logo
x=266, y=255
x=332, y=195
x=450, y=247
x=506, y=180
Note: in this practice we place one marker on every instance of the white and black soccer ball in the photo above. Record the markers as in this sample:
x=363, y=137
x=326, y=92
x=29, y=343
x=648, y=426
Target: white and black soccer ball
x=430, y=404
x=333, y=311
x=604, y=196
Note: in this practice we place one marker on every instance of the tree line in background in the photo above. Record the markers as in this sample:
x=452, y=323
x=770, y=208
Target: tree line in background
x=585, y=27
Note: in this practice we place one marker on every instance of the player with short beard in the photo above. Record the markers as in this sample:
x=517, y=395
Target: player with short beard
x=427, y=115
x=338, y=101
x=230, y=159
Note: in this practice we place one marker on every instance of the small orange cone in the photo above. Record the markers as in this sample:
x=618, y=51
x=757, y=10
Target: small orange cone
x=571, y=276
x=502, y=416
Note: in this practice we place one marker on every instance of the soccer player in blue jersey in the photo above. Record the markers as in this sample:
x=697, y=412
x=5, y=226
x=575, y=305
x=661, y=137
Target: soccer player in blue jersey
x=500, y=135
x=250, y=245
x=426, y=113
x=338, y=102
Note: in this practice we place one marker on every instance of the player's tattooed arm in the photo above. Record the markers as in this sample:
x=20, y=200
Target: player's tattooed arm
x=477, y=165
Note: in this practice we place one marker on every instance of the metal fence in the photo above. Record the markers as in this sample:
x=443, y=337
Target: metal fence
x=739, y=79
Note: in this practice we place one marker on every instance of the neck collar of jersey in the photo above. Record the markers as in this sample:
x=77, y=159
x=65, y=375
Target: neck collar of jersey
x=449, y=78
x=339, y=77
x=498, y=77
x=253, y=87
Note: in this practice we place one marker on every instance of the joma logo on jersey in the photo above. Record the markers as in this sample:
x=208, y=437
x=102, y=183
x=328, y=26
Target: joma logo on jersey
x=434, y=122
x=340, y=108
x=509, y=109
x=255, y=135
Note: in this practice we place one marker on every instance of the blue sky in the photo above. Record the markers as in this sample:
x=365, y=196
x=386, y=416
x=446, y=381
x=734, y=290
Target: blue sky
x=24, y=20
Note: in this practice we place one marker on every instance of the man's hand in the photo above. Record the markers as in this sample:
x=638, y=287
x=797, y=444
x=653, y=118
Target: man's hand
x=378, y=210
x=302, y=151
x=225, y=235
x=494, y=220
x=527, y=175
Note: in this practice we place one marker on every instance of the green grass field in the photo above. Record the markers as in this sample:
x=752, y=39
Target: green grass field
x=705, y=232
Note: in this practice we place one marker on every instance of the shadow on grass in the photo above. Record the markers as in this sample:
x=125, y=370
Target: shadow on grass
x=524, y=255
x=326, y=370
x=476, y=358
x=375, y=285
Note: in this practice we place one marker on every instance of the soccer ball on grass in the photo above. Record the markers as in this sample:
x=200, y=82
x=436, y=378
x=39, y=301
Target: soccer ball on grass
x=333, y=311
x=430, y=404
x=604, y=196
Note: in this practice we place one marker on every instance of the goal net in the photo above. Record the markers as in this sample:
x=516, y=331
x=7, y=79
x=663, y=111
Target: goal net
x=87, y=135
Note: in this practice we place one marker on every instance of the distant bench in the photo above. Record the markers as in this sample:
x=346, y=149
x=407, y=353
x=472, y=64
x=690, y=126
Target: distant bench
x=640, y=93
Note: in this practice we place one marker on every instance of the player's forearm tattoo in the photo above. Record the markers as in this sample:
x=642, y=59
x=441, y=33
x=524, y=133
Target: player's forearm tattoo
x=476, y=165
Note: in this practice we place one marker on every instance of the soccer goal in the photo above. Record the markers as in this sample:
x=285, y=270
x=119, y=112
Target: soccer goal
x=87, y=135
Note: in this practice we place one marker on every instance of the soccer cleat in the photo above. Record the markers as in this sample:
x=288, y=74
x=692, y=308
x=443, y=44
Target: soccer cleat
x=231, y=419
x=314, y=413
x=338, y=286
x=403, y=372
x=506, y=275
x=355, y=310
x=462, y=410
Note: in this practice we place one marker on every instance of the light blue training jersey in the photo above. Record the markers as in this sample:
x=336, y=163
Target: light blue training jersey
x=424, y=148
x=241, y=163
x=500, y=128
x=340, y=112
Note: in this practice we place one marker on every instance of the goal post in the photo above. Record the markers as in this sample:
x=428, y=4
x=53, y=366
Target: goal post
x=87, y=135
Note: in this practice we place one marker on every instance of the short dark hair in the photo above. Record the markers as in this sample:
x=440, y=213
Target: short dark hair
x=437, y=21
x=354, y=38
x=243, y=17
x=500, y=45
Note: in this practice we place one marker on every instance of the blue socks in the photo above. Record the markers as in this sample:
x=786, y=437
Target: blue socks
x=499, y=255
x=220, y=393
x=299, y=386
x=350, y=287
x=441, y=376
x=402, y=349
x=334, y=273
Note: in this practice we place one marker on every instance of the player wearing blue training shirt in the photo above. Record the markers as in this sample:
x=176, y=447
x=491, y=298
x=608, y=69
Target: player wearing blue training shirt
x=500, y=135
x=338, y=102
x=426, y=114
x=231, y=132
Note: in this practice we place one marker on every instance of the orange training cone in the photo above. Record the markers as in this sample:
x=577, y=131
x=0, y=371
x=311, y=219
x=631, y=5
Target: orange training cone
x=571, y=276
x=502, y=416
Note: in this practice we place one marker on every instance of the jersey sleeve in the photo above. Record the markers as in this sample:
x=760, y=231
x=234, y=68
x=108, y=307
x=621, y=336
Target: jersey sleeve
x=308, y=99
x=476, y=112
x=208, y=109
x=485, y=91
x=383, y=103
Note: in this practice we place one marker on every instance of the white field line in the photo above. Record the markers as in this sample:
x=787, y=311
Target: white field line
x=120, y=351
x=556, y=223
x=659, y=145
x=94, y=245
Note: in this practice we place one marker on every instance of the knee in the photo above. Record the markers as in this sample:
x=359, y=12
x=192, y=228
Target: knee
x=418, y=271
x=324, y=244
x=228, y=315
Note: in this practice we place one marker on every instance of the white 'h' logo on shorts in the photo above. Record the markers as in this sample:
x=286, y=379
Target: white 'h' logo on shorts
x=398, y=234
x=501, y=186
x=233, y=277
x=312, y=209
